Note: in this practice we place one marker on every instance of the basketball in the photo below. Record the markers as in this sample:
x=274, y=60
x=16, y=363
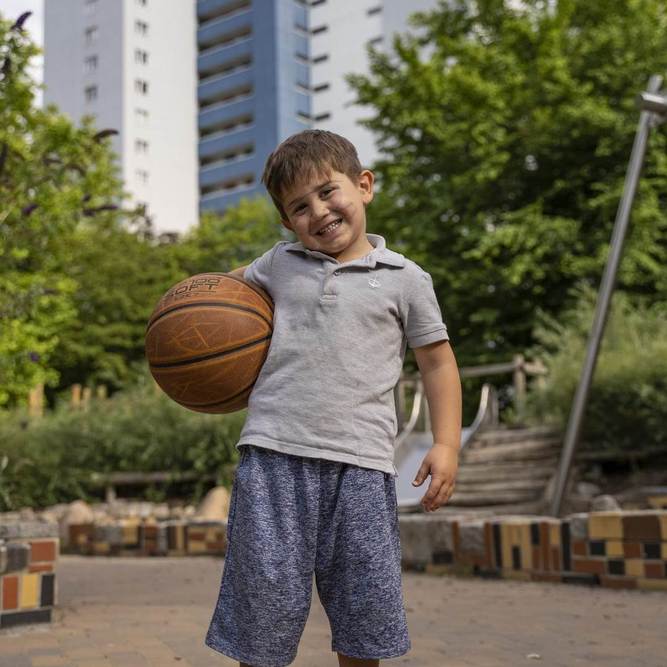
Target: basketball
x=207, y=340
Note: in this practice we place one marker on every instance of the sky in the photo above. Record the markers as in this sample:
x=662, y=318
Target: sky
x=11, y=10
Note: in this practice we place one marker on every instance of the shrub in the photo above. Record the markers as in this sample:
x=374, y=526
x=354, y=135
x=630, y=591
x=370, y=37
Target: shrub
x=50, y=460
x=626, y=413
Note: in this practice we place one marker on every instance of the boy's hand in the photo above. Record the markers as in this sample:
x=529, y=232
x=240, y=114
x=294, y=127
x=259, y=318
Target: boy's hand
x=442, y=461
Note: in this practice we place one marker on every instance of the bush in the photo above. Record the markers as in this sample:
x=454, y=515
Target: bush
x=626, y=413
x=49, y=460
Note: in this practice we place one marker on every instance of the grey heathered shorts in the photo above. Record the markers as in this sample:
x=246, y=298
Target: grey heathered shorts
x=289, y=517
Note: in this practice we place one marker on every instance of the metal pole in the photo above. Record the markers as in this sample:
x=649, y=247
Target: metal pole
x=649, y=103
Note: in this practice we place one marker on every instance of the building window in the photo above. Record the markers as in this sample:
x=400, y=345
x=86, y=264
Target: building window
x=141, y=86
x=141, y=28
x=141, y=116
x=374, y=10
x=140, y=146
x=91, y=35
x=90, y=93
x=142, y=176
x=142, y=3
x=141, y=56
x=90, y=7
x=90, y=64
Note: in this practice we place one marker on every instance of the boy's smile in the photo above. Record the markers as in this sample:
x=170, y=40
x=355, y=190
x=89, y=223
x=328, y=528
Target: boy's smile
x=327, y=213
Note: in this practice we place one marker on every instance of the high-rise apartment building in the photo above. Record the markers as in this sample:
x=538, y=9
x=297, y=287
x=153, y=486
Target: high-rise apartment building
x=132, y=64
x=269, y=68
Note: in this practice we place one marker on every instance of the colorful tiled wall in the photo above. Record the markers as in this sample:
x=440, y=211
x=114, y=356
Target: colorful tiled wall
x=27, y=580
x=137, y=537
x=623, y=549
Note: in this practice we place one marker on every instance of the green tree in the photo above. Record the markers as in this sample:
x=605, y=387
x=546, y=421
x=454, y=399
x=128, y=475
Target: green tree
x=225, y=242
x=53, y=177
x=505, y=132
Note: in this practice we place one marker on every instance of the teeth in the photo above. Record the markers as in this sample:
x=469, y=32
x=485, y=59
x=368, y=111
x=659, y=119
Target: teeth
x=328, y=228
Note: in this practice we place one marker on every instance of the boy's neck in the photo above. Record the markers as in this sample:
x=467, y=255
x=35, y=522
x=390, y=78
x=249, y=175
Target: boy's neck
x=353, y=252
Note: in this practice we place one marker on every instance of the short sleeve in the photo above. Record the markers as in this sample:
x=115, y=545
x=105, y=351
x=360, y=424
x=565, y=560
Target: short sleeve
x=423, y=318
x=260, y=269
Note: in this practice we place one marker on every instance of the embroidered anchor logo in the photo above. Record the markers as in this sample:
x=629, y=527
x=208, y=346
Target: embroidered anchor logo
x=374, y=282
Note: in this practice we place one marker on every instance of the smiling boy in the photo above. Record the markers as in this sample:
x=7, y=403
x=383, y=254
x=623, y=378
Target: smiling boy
x=314, y=491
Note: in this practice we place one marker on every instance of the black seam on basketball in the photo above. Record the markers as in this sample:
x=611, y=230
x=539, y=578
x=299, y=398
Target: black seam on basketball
x=247, y=282
x=215, y=304
x=227, y=400
x=206, y=357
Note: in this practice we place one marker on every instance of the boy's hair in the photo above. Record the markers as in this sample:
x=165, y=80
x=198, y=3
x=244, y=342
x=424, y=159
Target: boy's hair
x=305, y=155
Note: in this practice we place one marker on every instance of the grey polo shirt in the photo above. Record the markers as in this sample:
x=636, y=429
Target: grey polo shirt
x=340, y=333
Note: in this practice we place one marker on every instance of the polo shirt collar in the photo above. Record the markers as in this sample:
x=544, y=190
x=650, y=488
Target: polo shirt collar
x=379, y=255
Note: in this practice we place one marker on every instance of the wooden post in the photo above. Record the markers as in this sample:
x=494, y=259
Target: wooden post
x=76, y=396
x=36, y=401
x=85, y=397
x=519, y=385
x=101, y=392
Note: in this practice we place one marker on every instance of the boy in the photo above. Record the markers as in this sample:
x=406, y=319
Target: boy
x=314, y=489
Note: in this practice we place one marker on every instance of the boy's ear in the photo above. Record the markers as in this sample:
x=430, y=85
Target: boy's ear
x=366, y=180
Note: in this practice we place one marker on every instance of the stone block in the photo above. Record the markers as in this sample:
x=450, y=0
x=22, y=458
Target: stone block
x=471, y=539
x=47, y=597
x=25, y=618
x=605, y=525
x=415, y=537
x=632, y=549
x=634, y=567
x=609, y=581
x=18, y=556
x=18, y=530
x=641, y=526
x=652, y=584
x=616, y=566
x=43, y=551
x=29, y=595
x=654, y=569
x=10, y=592
x=651, y=550
x=589, y=565
x=615, y=548
x=579, y=526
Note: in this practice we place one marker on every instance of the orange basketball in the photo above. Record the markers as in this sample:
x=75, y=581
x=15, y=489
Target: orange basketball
x=207, y=339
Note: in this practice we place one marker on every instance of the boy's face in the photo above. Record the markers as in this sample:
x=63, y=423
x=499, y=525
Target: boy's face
x=327, y=213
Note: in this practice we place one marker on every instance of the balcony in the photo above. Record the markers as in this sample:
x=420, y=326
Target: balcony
x=216, y=59
x=209, y=148
x=223, y=30
x=223, y=113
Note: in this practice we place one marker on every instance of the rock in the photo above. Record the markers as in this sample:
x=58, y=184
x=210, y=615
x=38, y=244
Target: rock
x=604, y=503
x=215, y=506
x=78, y=512
x=587, y=489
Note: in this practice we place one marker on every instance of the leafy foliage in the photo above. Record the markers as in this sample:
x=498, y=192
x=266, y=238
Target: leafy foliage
x=50, y=460
x=505, y=130
x=626, y=415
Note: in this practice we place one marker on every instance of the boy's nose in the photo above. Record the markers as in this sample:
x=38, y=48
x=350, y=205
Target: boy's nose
x=320, y=210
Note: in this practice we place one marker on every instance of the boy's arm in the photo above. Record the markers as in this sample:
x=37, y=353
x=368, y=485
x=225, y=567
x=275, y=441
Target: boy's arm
x=442, y=385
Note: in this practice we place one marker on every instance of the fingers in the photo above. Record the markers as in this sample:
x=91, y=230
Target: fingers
x=421, y=474
x=439, y=493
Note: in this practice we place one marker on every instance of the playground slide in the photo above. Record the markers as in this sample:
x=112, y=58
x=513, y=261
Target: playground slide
x=412, y=445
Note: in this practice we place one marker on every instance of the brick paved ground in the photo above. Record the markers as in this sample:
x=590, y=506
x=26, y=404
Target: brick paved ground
x=136, y=612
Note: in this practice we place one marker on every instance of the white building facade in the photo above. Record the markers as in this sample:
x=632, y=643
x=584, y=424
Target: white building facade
x=132, y=64
x=340, y=32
